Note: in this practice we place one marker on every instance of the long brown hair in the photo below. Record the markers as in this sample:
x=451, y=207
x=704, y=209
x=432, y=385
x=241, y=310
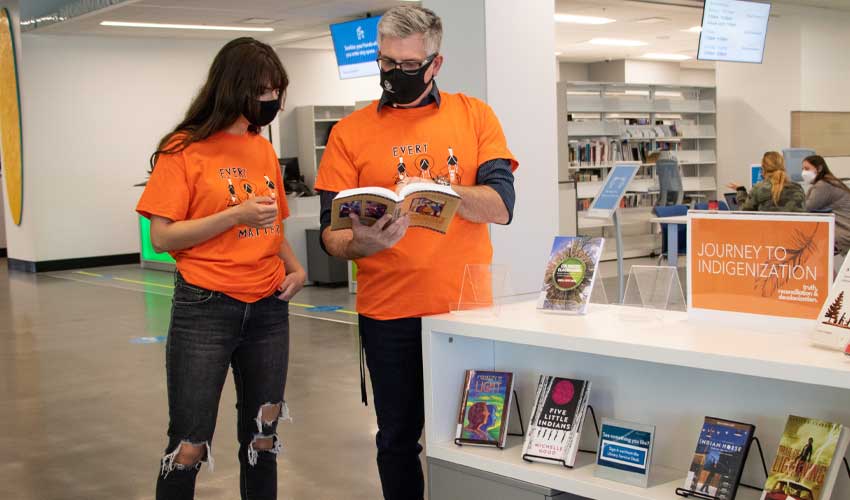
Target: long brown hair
x=824, y=173
x=242, y=71
x=773, y=166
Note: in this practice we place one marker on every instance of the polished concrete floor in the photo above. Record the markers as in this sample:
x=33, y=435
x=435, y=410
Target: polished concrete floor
x=83, y=402
x=83, y=407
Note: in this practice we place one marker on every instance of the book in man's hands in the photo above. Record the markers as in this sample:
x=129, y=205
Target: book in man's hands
x=554, y=432
x=431, y=206
x=485, y=408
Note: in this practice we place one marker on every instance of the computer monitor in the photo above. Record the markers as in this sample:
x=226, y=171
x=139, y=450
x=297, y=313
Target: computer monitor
x=289, y=169
x=731, y=200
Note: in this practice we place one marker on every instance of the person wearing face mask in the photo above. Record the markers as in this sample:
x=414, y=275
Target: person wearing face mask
x=216, y=204
x=414, y=133
x=776, y=193
x=827, y=192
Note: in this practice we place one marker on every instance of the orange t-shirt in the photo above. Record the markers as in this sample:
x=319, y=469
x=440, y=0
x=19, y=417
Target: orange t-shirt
x=423, y=273
x=209, y=177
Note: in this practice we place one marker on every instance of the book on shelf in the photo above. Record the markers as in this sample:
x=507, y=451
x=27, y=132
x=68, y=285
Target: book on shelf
x=832, y=330
x=630, y=200
x=485, y=408
x=554, y=430
x=570, y=274
x=430, y=206
x=808, y=461
x=719, y=458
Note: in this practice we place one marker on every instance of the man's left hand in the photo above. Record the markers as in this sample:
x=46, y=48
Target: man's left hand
x=292, y=284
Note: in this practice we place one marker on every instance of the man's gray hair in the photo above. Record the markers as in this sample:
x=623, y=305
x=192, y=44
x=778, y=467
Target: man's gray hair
x=407, y=20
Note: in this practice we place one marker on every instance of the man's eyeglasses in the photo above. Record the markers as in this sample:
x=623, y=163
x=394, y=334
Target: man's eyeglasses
x=407, y=67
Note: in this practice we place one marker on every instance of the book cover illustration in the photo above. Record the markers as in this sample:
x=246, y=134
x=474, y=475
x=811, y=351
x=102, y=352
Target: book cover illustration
x=833, y=326
x=625, y=452
x=719, y=458
x=802, y=464
x=485, y=408
x=555, y=428
x=570, y=274
x=430, y=206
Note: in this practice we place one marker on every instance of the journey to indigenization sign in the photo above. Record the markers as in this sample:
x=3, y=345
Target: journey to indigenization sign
x=760, y=263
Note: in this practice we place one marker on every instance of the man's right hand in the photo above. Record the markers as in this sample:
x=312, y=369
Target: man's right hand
x=257, y=212
x=369, y=240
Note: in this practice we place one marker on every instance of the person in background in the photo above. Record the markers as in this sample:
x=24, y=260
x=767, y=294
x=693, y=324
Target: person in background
x=776, y=193
x=413, y=134
x=827, y=192
x=669, y=178
x=216, y=203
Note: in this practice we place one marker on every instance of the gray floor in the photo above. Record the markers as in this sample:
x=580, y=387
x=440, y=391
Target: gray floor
x=83, y=409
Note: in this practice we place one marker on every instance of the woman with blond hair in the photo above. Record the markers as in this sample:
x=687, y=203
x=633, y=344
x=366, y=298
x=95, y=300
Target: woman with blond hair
x=776, y=193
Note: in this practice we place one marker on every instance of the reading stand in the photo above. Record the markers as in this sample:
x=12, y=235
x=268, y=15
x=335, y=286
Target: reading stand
x=682, y=492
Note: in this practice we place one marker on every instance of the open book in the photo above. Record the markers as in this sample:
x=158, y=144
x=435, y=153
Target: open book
x=431, y=206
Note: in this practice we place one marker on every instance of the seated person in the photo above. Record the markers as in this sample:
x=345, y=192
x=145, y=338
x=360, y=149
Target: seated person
x=776, y=193
x=827, y=192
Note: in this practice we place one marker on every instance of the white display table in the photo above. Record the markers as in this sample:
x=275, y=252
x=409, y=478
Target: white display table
x=645, y=366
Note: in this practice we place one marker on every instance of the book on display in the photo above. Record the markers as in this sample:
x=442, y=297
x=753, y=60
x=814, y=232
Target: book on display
x=429, y=205
x=832, y=330
x=719, y=458
x=485, y=408
x=808, y=460
x=570, y=274
x=554, y=430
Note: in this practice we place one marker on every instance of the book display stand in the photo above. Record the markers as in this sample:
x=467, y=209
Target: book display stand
x=484, y=290
x=654, y=287
x=682, y=492
x=595, y=427
x=521, y=425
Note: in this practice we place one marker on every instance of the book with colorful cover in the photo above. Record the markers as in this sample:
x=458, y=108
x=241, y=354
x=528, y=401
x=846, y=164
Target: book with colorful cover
x=719, y=458
x=485, y=408
x=570, y=274
x=808, y=460
x=832, y=330
x=554, y=430
x=430, y=206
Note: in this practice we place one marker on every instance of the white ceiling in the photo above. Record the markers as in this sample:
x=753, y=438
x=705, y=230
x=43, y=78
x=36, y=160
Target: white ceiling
x=296, y=23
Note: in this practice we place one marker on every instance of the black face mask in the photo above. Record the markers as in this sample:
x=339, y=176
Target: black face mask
x=267, y=112
x=401, y=88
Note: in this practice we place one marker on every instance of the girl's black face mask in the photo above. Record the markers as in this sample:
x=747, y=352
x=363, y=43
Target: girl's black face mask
x=402, y=88
x=268, y=110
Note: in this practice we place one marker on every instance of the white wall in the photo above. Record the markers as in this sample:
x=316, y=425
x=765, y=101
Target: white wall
x=806, y=68
x=697, y=77
x=94, y=109
x=573, y=72
x=314, y=80
x=652, y=72
x=610, y=71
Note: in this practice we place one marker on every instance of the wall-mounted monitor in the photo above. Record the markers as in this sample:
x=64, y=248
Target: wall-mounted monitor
x=356, y=47
x=733, y=31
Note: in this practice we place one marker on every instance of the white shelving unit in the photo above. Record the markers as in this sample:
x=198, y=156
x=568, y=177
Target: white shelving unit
x=314, y=125
x=601, y=112
x=645, y=366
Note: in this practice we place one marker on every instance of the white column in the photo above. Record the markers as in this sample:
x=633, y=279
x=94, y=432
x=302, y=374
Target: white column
x=502, y=51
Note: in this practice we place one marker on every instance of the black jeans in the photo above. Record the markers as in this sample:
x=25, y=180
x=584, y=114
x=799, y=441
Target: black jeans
x=210, y=331
x=394, y=357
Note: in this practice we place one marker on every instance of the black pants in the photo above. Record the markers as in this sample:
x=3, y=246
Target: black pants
x=209, y=332
x=394, y=357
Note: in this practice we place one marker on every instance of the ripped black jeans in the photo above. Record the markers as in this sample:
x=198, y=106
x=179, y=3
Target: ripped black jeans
x=210, y=331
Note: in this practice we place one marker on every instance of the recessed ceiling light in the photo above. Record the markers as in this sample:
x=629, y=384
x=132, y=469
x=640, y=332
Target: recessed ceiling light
x=694, y=29
x=653, y=20
x=665, y=57
x=122, y=24
x=574, y=19
x=616, y=42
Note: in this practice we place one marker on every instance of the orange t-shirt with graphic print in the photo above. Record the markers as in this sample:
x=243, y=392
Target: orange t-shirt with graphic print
x=422, y=274
x=206, y=178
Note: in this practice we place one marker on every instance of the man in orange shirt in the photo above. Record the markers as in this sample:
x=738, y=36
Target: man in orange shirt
x=415, y=133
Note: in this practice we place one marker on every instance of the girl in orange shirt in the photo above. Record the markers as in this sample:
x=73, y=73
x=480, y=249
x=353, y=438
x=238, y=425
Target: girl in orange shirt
x=216, y=203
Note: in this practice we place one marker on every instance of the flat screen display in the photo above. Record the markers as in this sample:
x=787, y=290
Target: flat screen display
x=356, y=47
x=733, y=31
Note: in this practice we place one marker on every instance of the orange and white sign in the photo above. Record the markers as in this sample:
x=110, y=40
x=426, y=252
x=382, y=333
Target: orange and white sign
x=766, y=264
